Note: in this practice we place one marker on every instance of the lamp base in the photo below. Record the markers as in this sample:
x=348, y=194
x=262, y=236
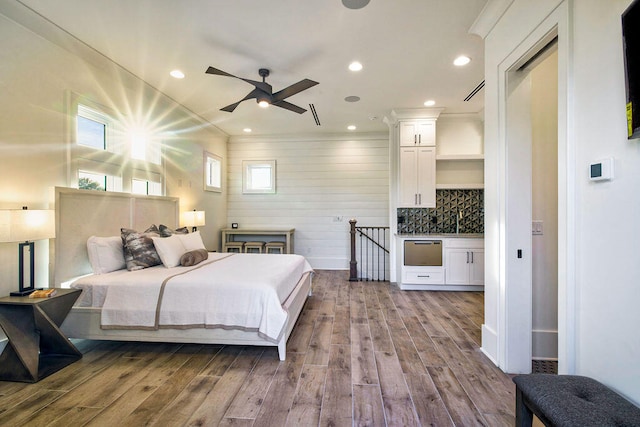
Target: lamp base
x=24, y=293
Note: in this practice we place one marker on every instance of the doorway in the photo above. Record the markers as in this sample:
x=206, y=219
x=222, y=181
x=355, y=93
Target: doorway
x=531, y=217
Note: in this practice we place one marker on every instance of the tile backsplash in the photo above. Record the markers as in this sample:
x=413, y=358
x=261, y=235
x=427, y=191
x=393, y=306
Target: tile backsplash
x=442, y=218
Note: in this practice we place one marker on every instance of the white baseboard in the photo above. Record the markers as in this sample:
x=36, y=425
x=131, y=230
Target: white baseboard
x=544, y=345
x=490, y=344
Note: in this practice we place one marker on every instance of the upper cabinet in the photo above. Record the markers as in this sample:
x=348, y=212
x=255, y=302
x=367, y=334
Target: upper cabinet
x=417, y=177
x=415, y=133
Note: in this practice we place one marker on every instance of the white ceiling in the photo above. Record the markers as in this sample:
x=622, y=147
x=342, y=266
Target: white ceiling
x=406, y=46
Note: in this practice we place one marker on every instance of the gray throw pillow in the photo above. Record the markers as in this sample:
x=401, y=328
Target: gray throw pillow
x=193, y=257
x=139, y=251
x=168, y=232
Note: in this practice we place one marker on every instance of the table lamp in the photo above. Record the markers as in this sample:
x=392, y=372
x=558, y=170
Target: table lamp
x=193, y=219
x=26, y=226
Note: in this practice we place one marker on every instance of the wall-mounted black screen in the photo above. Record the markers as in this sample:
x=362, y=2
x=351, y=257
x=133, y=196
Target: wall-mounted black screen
x=631, y=38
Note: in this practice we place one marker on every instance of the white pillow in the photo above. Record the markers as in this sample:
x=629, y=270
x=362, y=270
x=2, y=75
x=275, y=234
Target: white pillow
x=191, y=241
x=105, y=254
x=170, y=249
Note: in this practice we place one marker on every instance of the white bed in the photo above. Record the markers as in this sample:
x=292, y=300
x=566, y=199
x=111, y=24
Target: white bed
x=81, y=214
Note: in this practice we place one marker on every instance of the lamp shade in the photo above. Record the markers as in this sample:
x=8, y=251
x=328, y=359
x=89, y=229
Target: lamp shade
x=193, y=218
x=22, y=225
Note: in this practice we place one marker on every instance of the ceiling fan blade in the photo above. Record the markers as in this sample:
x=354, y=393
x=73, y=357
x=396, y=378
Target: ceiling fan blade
x=253, y=94
x=293, y=89
x=289, y=106
x=260, y=85
x=215, y=71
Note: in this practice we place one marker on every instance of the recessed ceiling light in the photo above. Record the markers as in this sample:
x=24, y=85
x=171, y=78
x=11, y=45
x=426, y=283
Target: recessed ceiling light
x=352, y=98
x=461, y=60
x=355, y=4
x=429, y=103
x=247, y=130
x=177, y=74
x=355, y=66
x=351, y=127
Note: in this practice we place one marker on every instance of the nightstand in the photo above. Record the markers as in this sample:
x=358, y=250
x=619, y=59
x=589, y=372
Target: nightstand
x=36, y=348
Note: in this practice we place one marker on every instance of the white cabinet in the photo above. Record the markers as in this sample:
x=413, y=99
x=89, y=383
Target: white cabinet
x=417, y=177
x=464, y=266
x=423, y=275
x=417, y=133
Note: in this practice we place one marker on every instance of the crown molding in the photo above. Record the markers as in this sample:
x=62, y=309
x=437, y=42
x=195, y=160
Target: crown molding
x=489, y=17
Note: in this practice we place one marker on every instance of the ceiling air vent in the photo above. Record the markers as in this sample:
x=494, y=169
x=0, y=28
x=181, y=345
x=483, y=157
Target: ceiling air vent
x=315, y=114
x=474, y=91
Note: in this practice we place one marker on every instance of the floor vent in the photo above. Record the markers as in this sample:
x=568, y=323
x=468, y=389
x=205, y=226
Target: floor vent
x=315, y=114
x=544, y=367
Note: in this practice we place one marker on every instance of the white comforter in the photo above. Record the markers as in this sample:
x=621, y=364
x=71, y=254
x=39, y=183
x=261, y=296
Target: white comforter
x=243, y=291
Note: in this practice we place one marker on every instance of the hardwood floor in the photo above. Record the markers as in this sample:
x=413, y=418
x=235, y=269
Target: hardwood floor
x=362, y=353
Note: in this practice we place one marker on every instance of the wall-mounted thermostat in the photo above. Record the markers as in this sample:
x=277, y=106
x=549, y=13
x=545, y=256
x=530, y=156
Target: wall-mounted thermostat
x=601, y=170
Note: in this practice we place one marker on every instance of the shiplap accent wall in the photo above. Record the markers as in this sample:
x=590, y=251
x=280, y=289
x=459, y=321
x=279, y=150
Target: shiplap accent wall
x=321, y=183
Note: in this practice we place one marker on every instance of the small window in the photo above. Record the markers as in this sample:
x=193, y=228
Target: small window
x=91, y=128
x=144, y=148
x=140, y=186
x=259, y=176
x=99, y=182
x=212, y=172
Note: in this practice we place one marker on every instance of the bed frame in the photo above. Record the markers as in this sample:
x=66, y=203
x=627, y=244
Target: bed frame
x=83, y=213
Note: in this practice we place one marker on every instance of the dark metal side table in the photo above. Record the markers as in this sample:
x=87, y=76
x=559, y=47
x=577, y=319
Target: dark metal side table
x=36, y=348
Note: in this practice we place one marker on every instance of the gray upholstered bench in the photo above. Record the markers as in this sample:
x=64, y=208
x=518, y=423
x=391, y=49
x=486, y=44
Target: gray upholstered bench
x=570, y=400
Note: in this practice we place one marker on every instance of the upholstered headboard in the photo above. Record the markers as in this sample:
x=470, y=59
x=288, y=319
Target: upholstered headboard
x=81, y=214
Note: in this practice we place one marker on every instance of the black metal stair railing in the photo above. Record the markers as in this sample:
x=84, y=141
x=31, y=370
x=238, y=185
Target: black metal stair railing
x=369, y=253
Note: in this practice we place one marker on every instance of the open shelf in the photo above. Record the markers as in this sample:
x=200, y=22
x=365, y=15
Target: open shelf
x=471, y=186
x=459, y=157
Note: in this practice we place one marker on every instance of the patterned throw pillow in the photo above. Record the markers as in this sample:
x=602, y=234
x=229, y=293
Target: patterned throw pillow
x=166, y=231
x=139, y=250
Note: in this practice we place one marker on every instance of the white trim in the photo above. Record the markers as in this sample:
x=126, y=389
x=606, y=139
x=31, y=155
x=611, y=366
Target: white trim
x=558, y=20
x=205, y=166
x=489, y=17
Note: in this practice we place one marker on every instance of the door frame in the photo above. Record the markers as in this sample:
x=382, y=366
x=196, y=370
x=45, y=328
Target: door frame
x=515, y=300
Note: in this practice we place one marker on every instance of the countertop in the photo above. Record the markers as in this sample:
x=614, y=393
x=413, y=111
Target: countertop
x=441, y=235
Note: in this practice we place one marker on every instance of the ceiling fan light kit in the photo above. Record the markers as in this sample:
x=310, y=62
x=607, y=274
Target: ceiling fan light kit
x=355, y=4
x=263, y=92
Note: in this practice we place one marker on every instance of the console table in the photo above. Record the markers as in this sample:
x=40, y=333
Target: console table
x=36, y=348
x=230, y=234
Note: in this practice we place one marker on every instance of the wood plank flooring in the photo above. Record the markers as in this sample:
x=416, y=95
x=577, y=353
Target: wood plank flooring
x=362, y=354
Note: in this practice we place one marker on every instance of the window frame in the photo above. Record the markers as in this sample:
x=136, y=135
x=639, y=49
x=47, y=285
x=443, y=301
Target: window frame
x=248, y=166
x=116, y=159
x=207, y=156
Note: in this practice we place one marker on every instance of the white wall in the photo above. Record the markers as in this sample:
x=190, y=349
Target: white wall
x=603, y=303
x=608, y=342
x=35, y=74
x=322, y=182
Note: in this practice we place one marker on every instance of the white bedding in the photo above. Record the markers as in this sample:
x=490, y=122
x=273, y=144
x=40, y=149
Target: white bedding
x=244, y=291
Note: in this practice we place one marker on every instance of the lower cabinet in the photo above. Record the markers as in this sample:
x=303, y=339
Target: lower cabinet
x=464, y=266
x=423, y=275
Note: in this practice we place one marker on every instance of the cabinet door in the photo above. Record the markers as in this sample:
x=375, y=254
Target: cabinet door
x=408, y=177
x=457, y=266
x=476, y=267
x=417, y=133
x=408, y=134
x=426, y=133
x=426, y=177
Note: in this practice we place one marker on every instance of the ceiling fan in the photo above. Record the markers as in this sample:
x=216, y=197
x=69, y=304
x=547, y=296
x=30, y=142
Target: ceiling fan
x=263, y=92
